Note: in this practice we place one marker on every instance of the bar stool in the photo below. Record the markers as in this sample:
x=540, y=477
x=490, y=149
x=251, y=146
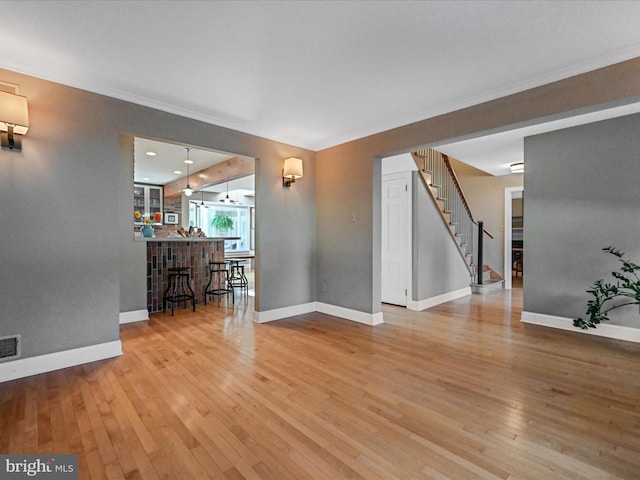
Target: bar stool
x=179, y=288
x=237, y=278
x=220, y=286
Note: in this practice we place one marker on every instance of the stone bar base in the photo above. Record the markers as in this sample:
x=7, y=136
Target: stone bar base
x=164, y=253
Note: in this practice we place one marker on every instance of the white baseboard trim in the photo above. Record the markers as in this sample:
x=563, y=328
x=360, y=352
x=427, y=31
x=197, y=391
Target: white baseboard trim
x=349, y=314
x=134, y=316
x=25, y=367
x=563, y=323
x=346, y=313
x=420, y=305
x=285, y=312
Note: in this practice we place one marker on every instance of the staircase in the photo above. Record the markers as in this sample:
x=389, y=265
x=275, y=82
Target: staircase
x=491, y=281
x=468, y=234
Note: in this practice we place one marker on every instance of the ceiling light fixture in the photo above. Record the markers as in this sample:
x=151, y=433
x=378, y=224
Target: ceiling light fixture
x=188, y=191
x=517, y=167
x=202, y=201
x=150, y=153
x=227, y=199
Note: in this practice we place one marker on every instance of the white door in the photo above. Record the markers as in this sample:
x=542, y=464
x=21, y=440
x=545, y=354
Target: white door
x=396, y=238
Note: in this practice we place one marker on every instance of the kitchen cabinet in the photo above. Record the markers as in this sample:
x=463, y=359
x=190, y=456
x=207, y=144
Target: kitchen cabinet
x=147, y=200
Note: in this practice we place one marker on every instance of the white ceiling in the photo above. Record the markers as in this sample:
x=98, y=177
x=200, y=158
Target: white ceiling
x=495, y=153
x=314, y=73
x=169, y=158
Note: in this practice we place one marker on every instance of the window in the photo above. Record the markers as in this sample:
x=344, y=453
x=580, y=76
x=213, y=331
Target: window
x=222, y=220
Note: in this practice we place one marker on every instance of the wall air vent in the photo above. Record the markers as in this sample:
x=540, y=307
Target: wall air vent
x=9, y=348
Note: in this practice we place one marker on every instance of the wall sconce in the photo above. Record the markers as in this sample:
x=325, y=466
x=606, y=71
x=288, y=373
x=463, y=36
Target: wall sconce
x=517, y=167
x=14, y=120
x=291, y=171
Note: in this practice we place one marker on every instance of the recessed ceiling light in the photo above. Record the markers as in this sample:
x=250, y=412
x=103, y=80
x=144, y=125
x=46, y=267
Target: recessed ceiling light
x=188, y=161
x=146, y=178
x=177, y=172
x=151, y=154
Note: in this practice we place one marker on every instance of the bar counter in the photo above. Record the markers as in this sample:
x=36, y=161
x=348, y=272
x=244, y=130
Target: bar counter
x=168, y=252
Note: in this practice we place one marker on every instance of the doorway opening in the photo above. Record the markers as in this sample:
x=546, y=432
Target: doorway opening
x=396, y=228
x=222, y=187
x=513, y=237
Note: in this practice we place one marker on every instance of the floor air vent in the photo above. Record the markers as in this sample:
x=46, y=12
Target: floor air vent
x=9, y=348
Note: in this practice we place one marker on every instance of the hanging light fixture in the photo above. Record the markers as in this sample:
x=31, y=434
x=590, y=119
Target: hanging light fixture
x=200, y=209
x=188, y=191
x=227, y=199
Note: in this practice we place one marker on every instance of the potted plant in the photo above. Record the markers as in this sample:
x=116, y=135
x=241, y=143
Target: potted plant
x=609, y=296
x=222, y=223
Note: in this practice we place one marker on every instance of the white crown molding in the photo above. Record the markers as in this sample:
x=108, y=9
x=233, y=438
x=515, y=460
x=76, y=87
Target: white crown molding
x=560, y=74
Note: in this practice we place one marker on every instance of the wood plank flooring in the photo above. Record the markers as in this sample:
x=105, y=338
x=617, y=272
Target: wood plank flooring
x=460, y=391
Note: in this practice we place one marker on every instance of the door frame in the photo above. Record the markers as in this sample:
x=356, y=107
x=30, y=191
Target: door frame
x=509, y=194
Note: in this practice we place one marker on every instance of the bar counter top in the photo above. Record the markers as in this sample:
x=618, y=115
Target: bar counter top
x=182, y=239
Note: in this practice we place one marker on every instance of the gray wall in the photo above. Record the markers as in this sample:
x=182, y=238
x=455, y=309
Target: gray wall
x=66, y=206
x=60, y=217
x=438, y=266
x=582, y=195
x=70, y=262
x=348, y=175
x=133, y=268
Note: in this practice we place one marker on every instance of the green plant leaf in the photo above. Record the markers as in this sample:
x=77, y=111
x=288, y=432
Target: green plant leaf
x=603, y=292
x=222, y=222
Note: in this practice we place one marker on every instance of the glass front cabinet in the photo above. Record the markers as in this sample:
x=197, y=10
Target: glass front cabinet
x=147, y=200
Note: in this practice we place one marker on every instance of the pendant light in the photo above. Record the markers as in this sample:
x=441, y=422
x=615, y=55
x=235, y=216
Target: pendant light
x=227, y=199
x=200, y=209
x=188, y=191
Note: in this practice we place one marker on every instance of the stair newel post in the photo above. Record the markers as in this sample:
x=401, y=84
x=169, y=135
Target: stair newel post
x=480, y=266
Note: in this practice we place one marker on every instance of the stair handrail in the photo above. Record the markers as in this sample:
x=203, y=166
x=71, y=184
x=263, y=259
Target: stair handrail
x=461, y=193
x=454, y=208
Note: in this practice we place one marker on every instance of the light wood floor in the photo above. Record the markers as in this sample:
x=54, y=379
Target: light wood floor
x=460, y=391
